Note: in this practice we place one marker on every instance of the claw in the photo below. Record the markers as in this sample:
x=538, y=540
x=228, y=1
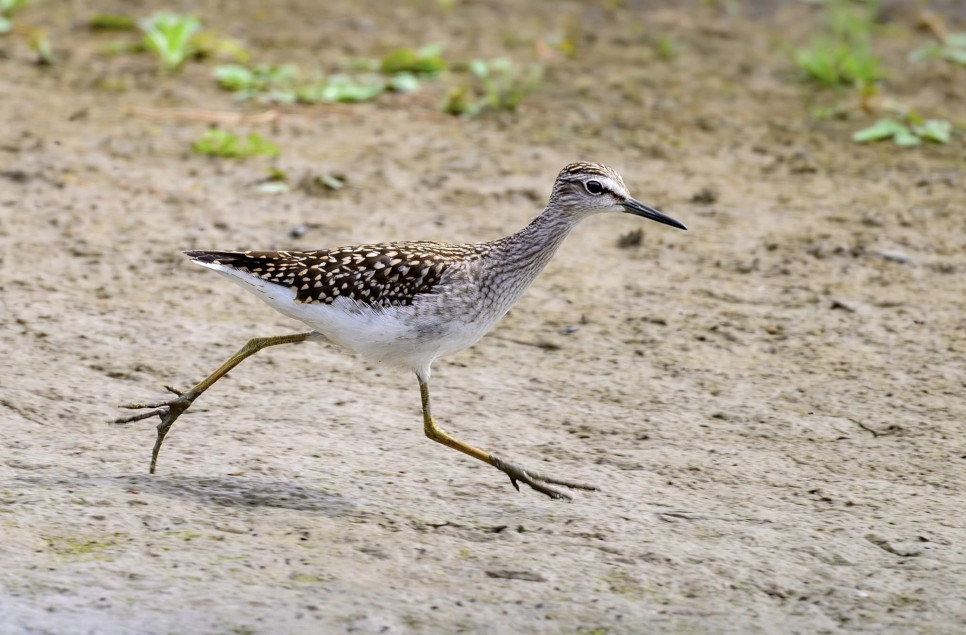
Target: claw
x=167, y=411
x=139, y=416
x=536, y=481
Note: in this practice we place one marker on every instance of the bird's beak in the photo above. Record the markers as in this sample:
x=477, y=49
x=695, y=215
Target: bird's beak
x=637, y=208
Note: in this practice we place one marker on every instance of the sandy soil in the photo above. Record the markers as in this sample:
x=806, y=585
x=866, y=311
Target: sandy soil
x=772, y=402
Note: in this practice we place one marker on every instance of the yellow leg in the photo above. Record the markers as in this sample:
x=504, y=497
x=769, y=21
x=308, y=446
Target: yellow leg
x=539, y=482
x=170, y=410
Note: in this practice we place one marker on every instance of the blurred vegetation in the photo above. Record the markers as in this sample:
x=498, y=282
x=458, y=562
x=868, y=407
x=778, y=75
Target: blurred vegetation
x=935, y=130
x=425, y=61
x=111, y=22
x=168, y=35
x=841, y=56
x=219, y=143
x=839, y=64
x=952, y=48
x=7, y=7
x=841, y=53
x=496, y=85
x=40, y=44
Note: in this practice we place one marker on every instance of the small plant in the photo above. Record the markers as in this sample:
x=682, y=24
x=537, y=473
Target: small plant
x=7, y=7
x=281, y=84
x=425, y=61
x=403, y=83
x=271, y=83
x=219, y=143
x=951, y=49
x=499, y=86
x=208, y=44
x=838, y=64
x=40, y=44
x=275, y=182
x=340, y=88
x=667, y=48
x=169, y=36
x=842, y=54
x=112, y=22
x=906, y=134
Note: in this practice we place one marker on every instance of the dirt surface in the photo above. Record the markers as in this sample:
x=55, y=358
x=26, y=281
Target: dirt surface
x=772, y=402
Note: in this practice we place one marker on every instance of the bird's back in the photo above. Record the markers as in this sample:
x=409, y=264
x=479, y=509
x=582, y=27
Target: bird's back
x=380, y=275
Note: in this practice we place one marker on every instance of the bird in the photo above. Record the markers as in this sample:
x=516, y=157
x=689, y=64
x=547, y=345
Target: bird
x=407, y=304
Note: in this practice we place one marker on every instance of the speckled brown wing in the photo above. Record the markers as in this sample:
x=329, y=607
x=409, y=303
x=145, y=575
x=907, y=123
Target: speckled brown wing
x=387, y=274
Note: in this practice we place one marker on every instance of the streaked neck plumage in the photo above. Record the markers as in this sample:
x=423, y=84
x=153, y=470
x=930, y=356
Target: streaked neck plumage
x=516, y=260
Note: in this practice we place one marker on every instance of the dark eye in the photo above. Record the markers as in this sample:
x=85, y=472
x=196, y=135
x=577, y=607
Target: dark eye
x=594, y=187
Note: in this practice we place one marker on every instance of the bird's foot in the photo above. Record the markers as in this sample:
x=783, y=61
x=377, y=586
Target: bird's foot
x=168, y=411
x=539, y=482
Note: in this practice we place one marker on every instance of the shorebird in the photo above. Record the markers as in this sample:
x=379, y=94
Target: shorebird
x=406, y=304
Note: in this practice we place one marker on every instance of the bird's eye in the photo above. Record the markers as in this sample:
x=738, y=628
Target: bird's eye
x=594, y=187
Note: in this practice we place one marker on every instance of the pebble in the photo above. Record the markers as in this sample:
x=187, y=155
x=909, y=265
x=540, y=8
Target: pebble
x=894, y=256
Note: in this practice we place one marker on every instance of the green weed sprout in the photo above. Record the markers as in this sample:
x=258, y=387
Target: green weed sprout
x=952, y=49
x=207, y=44
x=667, y=48
x=842, y=55
x=903, y=135
x=340, y=88
x=266, y=82
x=425, y=61
x=499, y=86
x=281, y=84
x=40, y=44
x=219, y=143
x=168, y=35
x=7, y=7
x=112, y=22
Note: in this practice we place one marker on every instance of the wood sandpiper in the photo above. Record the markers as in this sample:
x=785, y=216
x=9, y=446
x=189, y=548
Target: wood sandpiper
x=407, y=304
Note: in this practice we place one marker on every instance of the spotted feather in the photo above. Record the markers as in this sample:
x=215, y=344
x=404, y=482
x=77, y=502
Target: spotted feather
x=384, y=275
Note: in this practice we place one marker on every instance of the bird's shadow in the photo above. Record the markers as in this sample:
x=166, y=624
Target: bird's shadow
x=227, y=491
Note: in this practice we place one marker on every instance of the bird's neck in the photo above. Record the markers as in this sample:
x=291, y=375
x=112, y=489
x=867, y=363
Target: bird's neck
x=529, y=250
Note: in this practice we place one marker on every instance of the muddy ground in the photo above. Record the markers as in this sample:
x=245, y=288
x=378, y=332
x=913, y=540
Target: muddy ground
x=772, y=402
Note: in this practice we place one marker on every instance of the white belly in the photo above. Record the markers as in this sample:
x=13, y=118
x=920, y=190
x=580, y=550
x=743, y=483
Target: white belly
x=406, y=336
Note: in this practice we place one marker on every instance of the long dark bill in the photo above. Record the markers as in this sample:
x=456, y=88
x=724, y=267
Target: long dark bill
x=640, y=209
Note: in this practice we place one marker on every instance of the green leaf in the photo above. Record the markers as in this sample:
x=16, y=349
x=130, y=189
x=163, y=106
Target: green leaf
x=935, y=130
x=479, y=68
x=219, y=143
x=404, y=83
x=258, y=146
x=905, y=138
x=882, y=129
x=5, y=25
x=957, y=56
x=9, y=6
x=460, y=102
x=331, y=182
x=234, y=77
x=167, y=34
x=276, y=174
x=111, y=22
x=955, y=40
x=926, y=51
x=208, y=44
x=408, y=60
x=343, y=89
x=398, y=61
x=272, y=187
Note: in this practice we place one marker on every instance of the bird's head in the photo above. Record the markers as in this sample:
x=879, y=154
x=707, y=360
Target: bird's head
x=585, y=189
